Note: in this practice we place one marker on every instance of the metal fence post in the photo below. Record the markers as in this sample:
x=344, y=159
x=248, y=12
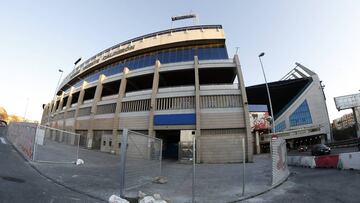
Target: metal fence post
x=34, y=150
x=78, y=146
x=194, y=164
x=123, y=147
x=243, y=149
x=161, y=144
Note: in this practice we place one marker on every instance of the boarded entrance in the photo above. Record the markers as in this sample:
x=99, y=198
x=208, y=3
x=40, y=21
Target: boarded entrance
x=171, y=139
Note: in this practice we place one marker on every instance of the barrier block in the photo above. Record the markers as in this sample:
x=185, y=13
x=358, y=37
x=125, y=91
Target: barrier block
x=349, y=161
x=293, y=160
x=290, y=160
x=327, y=161
x=308, y=161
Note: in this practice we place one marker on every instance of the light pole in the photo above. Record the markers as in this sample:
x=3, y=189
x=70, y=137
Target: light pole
x=57, y=86
x=268, y=92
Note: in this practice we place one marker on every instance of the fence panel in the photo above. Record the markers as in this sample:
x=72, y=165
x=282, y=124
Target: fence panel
x=55, y=146
x=219, y=182
x=143, y=159
x=280, y=169
x=22, y=135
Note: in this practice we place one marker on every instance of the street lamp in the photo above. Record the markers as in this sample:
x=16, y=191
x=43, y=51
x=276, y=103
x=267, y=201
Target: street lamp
x=268, y=93
x=57, y=86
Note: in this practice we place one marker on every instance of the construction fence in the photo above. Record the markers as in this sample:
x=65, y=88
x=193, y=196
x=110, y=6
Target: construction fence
x=141, y=159
x=139, y=165
x=280, y=169
x=44, y=144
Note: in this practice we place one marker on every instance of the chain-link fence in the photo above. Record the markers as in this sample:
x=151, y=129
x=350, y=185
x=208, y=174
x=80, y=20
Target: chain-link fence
x=43, y=144
x=220, y=182
x=141, y=159
x=22, y=135
x=280, y=169
x=208, y=168
x=55, y=146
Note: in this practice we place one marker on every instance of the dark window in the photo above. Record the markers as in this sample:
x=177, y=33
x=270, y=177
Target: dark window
x=165, y=56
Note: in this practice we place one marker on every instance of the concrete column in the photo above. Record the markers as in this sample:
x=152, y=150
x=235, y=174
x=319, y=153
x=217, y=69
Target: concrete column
x=248, y=136
x=54, y=104
x=118, y=108
x=197, y=109
x=93, y=110
x=48, y=110
x=44, y=114
x=61, y=101
x=50, y=105
x=155, y=87
x=67, y=106
x=79, y=102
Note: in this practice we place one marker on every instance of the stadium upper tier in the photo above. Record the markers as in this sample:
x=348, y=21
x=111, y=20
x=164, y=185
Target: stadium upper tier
x=168, y=46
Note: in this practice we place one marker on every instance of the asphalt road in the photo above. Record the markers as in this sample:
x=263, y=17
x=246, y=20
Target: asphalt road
x=315, y=186
x=19, y=182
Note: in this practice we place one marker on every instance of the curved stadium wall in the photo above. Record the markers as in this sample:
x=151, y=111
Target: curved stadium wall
x=162, y=84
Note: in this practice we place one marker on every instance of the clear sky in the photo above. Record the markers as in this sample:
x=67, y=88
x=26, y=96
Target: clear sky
x=39, y=37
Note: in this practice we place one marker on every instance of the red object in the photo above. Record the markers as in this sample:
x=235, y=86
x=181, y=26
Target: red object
x=327, y=161
x=274, y=137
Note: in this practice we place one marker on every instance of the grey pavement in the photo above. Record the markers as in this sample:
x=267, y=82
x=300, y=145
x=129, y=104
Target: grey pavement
x=19, y=182
x=214, y=182
x=315, y=186
x=100, y=177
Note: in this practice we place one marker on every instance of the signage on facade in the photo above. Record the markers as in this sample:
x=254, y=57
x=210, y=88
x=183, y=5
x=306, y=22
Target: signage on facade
x=118, y=52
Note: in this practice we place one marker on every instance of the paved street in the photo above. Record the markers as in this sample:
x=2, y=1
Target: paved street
x=315, y=186
x=21, y=183
x=215, y=182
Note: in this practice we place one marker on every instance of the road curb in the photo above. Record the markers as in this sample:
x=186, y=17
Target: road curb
x=262, y=192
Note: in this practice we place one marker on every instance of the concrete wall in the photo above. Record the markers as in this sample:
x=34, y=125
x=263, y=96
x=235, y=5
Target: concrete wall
x=221, y=148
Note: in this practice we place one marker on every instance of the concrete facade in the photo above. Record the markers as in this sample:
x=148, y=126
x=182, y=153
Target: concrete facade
x=168, y=98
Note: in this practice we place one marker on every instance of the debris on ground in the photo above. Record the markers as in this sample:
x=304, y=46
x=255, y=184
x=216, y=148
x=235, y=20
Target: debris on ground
x=156, y=198
x=79, y=162
x=160, y=180
x=117, y=199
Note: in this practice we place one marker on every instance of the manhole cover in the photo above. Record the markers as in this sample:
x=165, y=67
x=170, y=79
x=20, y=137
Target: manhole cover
x=12, y=179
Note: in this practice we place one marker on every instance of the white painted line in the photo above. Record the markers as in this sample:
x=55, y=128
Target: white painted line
x=2, y=140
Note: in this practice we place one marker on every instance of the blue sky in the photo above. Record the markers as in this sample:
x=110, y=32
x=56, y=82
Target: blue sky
x=39, y=37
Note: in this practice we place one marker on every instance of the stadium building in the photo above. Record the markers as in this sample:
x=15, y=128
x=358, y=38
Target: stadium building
x=168, y=84
x=299, y=106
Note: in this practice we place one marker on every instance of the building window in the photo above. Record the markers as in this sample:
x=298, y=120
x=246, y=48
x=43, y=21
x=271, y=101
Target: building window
x=280, y=127
x=301, y=116
x=181, y=54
